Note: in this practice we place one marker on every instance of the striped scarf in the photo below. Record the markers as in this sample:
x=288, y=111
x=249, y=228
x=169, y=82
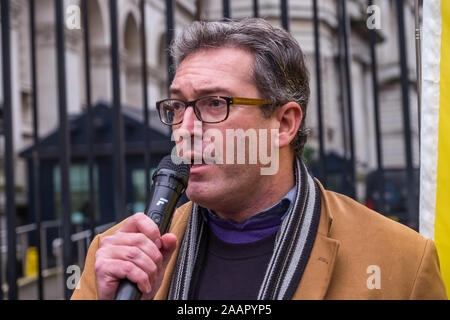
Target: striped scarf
x=293, y=245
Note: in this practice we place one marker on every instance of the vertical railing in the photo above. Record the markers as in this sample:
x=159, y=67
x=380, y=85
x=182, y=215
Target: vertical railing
x=90, y=138
x=170, y=33
x=376, y=109
x=341, y=81
x=226, y=9
x=284, y=6
x=9, y=151
x=255, y=8
x=405, y=108
x=118, y=132
x=36, y=151
x=64, y=139
x=147, y=143
x=345, y=22
x=317, y=54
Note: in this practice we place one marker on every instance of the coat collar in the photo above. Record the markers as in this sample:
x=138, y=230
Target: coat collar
x=319, y=269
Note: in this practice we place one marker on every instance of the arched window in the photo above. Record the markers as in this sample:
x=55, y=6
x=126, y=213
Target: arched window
x=131, y=40
x=96, y=26
x=99, y=51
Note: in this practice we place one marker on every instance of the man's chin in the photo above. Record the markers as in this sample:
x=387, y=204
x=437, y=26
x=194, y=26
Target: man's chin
x=201, y=196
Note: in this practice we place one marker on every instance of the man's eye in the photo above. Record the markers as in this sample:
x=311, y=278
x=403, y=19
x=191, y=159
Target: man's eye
x=178, y=105
x=167, y=106
x=217, y=103
x=174, y=106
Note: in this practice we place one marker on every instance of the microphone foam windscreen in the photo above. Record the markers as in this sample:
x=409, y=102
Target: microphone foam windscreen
x=182, y=169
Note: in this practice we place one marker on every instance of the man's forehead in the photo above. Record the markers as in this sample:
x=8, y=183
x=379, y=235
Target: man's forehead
x=213, y=70
x=230, y=60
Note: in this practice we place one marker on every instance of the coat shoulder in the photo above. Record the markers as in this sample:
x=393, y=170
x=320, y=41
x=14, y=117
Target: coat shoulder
x=352, y=219
x=407, y=262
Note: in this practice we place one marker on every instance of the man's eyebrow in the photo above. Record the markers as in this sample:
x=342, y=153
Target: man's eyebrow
x=174, y=91
x=212, y=91
x=201, y=92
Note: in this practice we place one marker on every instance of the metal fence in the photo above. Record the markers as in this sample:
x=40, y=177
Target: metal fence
x=66, y=235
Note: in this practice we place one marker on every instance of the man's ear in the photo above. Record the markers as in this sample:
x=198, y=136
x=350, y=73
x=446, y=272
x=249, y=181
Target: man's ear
x=290, y=117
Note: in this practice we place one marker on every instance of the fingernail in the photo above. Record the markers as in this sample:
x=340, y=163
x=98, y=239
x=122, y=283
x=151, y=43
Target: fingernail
x=158, y=243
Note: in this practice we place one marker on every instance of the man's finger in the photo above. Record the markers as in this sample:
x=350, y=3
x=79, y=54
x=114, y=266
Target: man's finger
x=140, y=223
x=169, y=244
x=138, y=240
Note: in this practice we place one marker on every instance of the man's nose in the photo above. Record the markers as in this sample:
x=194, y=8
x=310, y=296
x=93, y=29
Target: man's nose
x=189, y=119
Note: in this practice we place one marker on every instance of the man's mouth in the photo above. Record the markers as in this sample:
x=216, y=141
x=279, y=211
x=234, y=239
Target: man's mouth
x=198, y=162
x=198, y=168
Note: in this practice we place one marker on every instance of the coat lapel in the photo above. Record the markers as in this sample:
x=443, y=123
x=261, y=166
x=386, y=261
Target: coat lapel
x=318, y=271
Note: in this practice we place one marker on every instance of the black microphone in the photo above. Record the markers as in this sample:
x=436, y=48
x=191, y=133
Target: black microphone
x=169, y=182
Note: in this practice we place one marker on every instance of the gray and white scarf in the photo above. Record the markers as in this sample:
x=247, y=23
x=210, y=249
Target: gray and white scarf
x=293, y=245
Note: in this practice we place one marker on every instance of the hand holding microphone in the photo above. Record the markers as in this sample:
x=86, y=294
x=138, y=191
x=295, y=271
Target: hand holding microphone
x=131, y=263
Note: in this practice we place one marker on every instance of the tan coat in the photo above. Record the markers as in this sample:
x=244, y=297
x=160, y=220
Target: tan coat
x=353, y=246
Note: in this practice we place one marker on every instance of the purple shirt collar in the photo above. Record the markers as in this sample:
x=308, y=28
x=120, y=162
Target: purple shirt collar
x=257, y=227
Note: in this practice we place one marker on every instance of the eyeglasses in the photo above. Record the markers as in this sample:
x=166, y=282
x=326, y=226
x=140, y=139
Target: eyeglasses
x=211, y=109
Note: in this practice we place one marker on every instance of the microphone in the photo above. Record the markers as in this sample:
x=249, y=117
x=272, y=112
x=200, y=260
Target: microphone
x=169, y=182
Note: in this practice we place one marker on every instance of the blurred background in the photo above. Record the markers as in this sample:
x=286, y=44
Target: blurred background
x=80, y=137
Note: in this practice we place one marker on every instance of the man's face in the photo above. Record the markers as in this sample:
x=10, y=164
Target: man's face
x=221, y=72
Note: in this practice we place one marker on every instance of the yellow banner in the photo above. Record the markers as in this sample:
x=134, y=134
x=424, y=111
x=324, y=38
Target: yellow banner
x=442, y=222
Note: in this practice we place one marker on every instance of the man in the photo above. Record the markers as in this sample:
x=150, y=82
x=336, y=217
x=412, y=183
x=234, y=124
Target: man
x=245, y=234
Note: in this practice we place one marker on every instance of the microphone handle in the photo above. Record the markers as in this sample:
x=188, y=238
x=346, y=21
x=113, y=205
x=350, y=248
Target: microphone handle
x=128, y=290
x=165, y=188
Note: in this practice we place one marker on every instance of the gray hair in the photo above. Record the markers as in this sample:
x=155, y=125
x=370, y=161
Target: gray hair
x=279, y=71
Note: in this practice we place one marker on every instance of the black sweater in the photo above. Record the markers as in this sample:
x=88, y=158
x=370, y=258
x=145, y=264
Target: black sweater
x=232, y=271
